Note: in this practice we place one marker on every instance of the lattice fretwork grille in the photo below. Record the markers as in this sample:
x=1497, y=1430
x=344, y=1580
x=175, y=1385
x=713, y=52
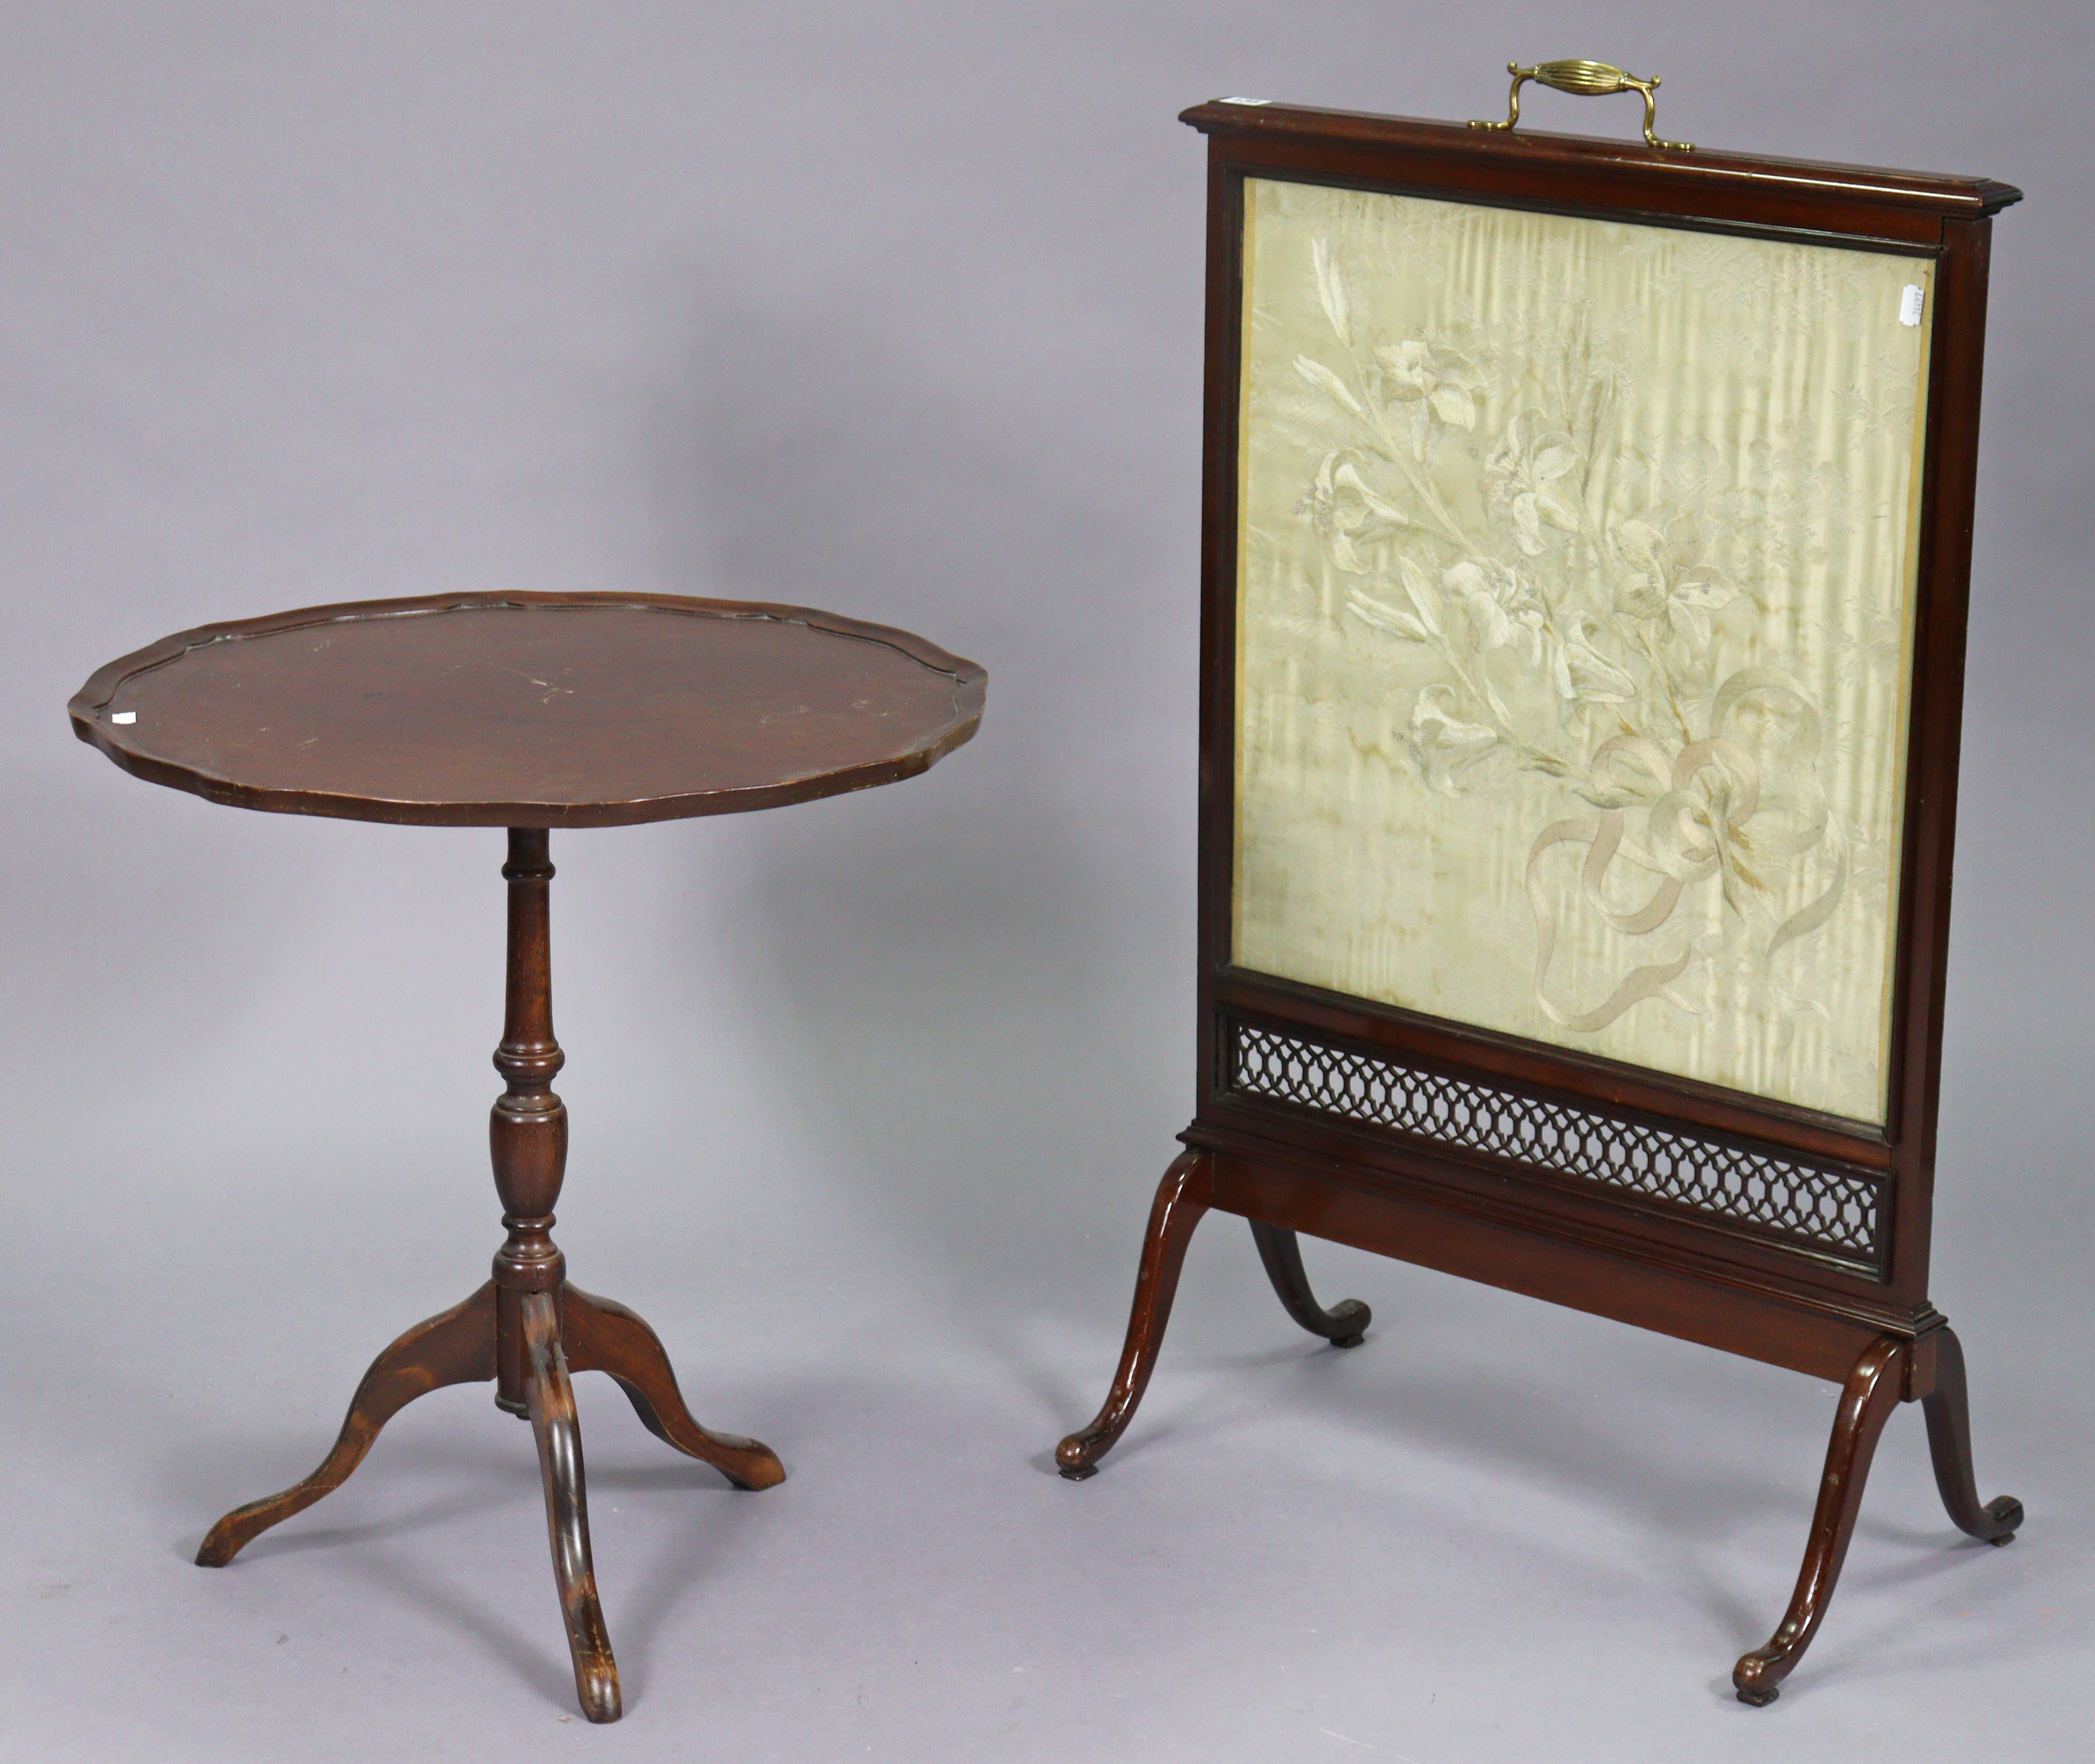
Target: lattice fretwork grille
x=1829, y=1209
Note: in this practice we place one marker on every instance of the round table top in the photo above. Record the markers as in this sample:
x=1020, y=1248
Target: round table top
x=531, y=710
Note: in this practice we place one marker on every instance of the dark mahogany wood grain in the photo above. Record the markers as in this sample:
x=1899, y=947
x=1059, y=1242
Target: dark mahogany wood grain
x=1182, y=1200
x=1873, y=1386
x=550, y=1401
x=1948, y=1407
x=1345, y=1324
x=1538, y=169
x=531, y=710
x=455, y=1347
x=603, y=1335
x=1890, y=1369
x=1550, y=1204
x=1598, y=1272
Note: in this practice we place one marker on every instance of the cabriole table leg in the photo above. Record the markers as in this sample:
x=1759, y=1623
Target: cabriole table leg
x=550, y=1401
x=456, y=1347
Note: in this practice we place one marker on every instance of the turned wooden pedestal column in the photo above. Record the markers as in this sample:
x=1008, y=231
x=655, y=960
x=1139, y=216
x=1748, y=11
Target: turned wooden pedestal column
x=527, y=1329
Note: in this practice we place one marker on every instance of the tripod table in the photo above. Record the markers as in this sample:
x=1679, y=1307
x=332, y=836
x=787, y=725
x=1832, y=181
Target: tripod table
x=529, y=712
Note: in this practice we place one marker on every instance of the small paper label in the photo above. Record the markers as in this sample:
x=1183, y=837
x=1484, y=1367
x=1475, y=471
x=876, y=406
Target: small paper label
x=1910, y=304
x=1243, y=101
x=124, y=716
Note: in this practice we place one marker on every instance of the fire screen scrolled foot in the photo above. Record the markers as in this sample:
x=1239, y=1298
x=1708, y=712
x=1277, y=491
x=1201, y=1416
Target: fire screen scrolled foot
x=1345, y=1324
x=1873, y=1389
x=1182, y=1198
x=1949, y=1411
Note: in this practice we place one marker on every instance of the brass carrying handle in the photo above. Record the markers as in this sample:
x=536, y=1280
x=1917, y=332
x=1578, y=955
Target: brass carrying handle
x=1587, y=79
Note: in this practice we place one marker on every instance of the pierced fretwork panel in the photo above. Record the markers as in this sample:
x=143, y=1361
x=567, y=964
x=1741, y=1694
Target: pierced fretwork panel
x=1829, y=1210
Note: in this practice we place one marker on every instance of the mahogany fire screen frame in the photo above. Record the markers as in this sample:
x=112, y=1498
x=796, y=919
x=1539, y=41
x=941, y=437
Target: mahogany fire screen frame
x=1586, y=543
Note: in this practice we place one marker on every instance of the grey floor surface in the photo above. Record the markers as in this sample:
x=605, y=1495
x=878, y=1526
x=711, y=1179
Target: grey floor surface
x=1491, y=1534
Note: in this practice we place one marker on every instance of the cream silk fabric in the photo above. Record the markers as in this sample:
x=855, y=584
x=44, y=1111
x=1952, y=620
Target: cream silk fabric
x=1575, y=564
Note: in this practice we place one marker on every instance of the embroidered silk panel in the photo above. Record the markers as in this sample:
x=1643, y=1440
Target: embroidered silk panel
x=1575, y=564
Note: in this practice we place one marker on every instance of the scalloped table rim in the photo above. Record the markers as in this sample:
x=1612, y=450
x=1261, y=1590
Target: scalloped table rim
x=86, y=706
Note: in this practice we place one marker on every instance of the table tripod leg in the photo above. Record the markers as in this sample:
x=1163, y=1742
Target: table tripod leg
x=601, y=1336
x=550, y=1400
x=456, y=1347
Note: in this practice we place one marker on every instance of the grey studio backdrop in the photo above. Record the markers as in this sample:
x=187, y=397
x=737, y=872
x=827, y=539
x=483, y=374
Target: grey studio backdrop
x=894, y=310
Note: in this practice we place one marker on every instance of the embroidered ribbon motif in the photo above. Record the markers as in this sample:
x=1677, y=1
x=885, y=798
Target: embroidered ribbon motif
x=1702, y=805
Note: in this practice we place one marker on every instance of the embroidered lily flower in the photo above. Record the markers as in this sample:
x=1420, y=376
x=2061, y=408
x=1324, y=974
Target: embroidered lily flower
x=1661, y=577
x=1525, y=470
x=1502, y=609
x=1348, y=514
x=1441, y=744
x=1434, y=382
x=1583, y=675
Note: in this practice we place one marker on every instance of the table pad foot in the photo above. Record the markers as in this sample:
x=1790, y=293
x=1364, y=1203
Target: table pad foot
x=601, y=1336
